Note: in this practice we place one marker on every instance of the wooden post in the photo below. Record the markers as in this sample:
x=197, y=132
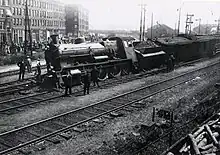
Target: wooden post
x=153, y=116
x=171, y=126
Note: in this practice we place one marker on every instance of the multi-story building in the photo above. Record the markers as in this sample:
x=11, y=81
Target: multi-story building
x=46, y=17
x=77, y=20
x=5, y=20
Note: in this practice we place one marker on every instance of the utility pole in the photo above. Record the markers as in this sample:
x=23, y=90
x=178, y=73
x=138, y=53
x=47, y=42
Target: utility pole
x=144, y=23
x=189, y=23
x=218, y=25
x=206, y=29
x=178, y=30
x=25, y=29
x=151, y=30
x=27, y=32
x=199, y=23
x=141, y=23
x=175, y=30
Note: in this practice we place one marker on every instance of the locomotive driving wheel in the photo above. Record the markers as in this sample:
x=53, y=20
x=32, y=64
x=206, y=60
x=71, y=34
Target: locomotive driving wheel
x=103, y=75
x=115, y=71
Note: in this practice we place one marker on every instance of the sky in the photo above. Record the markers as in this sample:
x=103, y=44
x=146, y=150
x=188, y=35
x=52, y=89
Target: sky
x=125, y=14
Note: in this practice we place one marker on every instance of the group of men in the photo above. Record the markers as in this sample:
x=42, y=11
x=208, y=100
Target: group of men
x=27, y=63
x=87, y=77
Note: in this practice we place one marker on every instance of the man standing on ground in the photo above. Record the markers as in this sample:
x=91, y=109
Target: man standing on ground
x=94, y=76
x=21, y=66
x=29, y=64
x=67, y=79
x=86, y=81
x=38, y=71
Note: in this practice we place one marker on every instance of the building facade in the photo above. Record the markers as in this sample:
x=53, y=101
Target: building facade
x=76, y=20
x=46, y=17
x=5, y=21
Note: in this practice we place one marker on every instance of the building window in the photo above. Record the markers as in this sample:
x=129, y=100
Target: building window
x=1, y=12
x=1, y=25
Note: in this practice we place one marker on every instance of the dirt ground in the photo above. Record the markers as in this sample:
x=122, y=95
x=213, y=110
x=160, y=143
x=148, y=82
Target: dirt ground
x=103, y=138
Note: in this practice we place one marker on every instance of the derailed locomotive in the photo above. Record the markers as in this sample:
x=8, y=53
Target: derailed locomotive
x=117, y=55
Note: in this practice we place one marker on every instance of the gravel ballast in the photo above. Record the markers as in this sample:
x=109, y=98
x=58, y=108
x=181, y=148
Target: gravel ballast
x=99, y=136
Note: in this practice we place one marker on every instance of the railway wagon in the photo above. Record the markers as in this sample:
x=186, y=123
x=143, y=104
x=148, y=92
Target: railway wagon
x=186, y=48
x=149, y=55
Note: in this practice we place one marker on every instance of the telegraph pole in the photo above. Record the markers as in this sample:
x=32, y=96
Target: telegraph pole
x=141, y=23
x=144, y=23
x=178, y=30
x=189, y=23
x=25, y=29
x=218, y=25
x=175, y=30
x=27, y=32
x=151, y=33
x=199, y=23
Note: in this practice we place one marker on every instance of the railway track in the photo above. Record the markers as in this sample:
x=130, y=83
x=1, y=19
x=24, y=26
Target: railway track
x=15, y=72
x=15, y=86
x=14, y=105
x=52, y=127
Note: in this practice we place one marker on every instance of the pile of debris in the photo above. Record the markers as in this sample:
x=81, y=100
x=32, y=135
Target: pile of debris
x=205, y=140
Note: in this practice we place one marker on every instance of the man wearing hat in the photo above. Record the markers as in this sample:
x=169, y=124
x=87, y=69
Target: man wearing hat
x=21, y=66
x=67, y=79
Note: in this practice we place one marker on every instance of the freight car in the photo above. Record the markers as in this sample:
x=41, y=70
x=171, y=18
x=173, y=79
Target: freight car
x=188, y=47
x=117, y=55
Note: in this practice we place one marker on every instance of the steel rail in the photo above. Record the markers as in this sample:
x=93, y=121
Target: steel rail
x=135, y=77
x=97, y=115
x=15, y=72
x=76, y=124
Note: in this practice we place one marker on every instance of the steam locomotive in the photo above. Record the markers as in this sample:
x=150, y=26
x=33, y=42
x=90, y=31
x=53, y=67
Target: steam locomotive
x=118, y=55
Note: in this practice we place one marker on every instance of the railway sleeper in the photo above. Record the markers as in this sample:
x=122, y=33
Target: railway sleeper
x=53, y=140
x=87, y=111
x=99, y=109
x=109, y=106
x=66, y=135
x=63, y=135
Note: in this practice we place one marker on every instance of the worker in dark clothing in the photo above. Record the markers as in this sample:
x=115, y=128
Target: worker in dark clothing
x=169, y=64
x=67, y=79
x=55, y=78
x=38, y=67
x=38, y=77
x=94, y=76
x=86, y=81
x=173, y=61
x=21, y=66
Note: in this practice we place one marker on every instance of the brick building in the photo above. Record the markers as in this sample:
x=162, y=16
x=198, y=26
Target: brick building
x=46, y=17
x=77, y=20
